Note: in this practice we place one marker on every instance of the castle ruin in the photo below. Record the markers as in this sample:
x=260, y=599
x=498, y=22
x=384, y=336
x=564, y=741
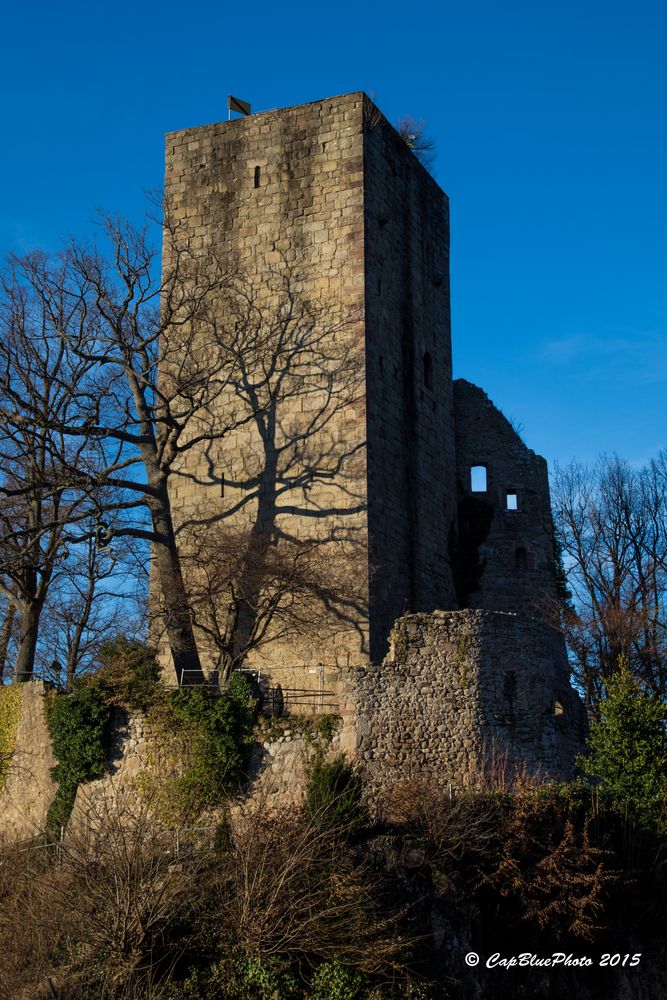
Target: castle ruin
x=415, y=522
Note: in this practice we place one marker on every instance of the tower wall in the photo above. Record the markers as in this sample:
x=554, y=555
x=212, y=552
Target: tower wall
x=329, y=199
x=411, y=462
x=278, y=197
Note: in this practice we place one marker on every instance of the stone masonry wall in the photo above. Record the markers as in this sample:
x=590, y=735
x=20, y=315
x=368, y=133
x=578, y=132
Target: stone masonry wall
x=328, y=199
x=30, y=790
x=464, y=694
x=411, y=462
x=278, y=196
x=128, y=754
x=506, y=557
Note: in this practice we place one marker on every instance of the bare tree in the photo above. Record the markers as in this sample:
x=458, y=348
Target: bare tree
x=95, y=595
x=149, y=364
x=40, y=503
x=165, y=368
x=415, y=138
x=611, y=521
x=6, y=633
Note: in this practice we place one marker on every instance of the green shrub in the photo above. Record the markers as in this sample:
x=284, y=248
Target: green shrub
x=628, y=749
x=333, y=793
x=10, y=707
x=204, y=742
x=238, y=689
x=240, y=977
x=333, y=981
x=78, y=725
x=326, y=727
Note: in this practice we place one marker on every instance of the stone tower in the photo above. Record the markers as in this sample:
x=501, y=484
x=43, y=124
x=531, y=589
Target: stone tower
x=410, y=519
x=325, y=207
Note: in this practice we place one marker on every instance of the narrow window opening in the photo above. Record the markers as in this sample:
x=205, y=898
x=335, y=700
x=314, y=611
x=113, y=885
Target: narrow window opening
x=521, y=558
x=427, y=370
x=478, y=479
x=258, y=171
x=222, y=488
x=381, y=360
x=511, y=500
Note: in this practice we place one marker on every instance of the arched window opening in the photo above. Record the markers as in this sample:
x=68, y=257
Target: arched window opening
x=427, y=370
x=478, y=479
x=258, y=171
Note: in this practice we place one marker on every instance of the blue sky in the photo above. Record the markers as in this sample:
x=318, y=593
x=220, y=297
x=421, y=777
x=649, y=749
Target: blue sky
x=549, y=121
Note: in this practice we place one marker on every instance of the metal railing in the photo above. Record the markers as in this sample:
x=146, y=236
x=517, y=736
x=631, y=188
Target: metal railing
x=280, y=701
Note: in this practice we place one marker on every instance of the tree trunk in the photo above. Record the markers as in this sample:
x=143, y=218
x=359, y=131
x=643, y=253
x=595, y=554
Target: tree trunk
x=25, y=661
x=175, y=604
x=5, y=636
x=261, y=537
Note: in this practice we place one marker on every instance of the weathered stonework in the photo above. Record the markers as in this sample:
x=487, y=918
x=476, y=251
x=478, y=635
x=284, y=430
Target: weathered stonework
x=375, y=472
x=328, y=197
x=465, y=698
x=277, y=772
x=506, y=556
x=30, y=789
x=128, y=754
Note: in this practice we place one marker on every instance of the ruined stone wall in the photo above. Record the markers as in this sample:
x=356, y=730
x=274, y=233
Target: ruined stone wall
x=29, y=789
x=278, y=196
x=465, y=697
x=411, y=463
x=505, y=557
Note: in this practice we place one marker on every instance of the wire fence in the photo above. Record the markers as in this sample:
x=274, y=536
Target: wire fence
x=179, y=843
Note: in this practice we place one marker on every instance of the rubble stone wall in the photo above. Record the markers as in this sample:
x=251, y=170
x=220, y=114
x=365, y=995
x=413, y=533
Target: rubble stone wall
x=465, y=697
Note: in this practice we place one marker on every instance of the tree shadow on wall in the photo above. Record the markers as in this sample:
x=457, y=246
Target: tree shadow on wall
x=275, y=548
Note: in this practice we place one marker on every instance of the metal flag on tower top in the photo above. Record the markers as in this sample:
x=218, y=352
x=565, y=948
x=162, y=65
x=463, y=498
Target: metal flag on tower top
x=235, y=104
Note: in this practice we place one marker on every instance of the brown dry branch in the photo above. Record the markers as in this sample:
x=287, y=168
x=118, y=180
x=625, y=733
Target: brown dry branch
x=454, y=823
x=99, y=912
x=550, y=868
x=297, y=890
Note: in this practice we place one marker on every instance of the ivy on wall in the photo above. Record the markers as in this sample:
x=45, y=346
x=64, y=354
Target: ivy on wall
x=202, y=742
x=78, y=725
x=10, y=710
